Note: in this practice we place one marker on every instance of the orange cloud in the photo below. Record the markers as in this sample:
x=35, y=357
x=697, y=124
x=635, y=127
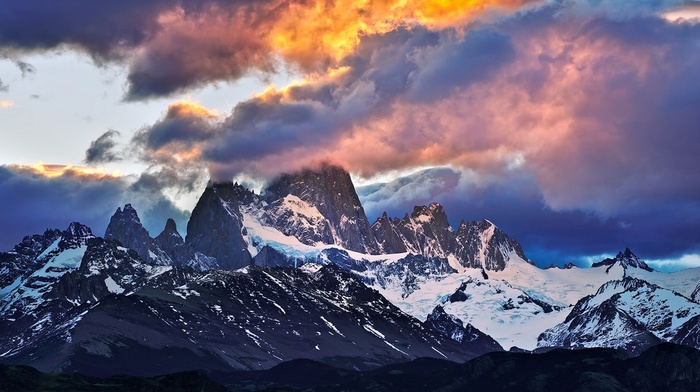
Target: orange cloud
x=57, y=170
x=320, y=32
x=190, y=108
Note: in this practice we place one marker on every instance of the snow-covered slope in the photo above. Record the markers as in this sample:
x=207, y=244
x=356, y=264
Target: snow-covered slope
x=63, y=256
x=325, y=204
x=426, y=231
x=439, y=291
x=512, y=316
x=686, y=282
x=629, y=313
x=254, y=318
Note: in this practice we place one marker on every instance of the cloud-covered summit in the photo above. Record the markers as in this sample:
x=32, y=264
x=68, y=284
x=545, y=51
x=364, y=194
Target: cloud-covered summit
x=581, y=107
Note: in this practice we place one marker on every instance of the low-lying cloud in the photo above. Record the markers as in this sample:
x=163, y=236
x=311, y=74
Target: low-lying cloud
x=35, y=202
x=587, y=110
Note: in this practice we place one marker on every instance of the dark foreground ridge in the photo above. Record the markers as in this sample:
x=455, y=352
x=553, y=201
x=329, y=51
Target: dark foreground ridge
x=665, y=367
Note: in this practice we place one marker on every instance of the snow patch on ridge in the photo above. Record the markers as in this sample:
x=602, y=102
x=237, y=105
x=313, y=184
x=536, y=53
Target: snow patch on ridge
x=112, y=286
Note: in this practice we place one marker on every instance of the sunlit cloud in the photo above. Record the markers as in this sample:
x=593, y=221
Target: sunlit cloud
x=57, y=170
x=309, y=33
x=5, y=104
x=689, y=13
x=590, y=104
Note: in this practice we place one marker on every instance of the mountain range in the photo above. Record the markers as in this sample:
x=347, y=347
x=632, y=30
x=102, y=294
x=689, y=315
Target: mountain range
x=298, y=271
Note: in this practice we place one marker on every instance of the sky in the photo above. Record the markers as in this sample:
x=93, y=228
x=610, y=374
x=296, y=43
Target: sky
x=573, y=125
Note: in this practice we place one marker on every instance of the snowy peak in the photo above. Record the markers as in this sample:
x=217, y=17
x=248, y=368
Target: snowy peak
x=480, y=244
x=454, y=328
x=27, y=268
x=330, y=191
x=20, y=262
x=75, y=235
x=425, y=232
x=625, y=259
x=32, y=287
x=629, y=313
x=33, y=245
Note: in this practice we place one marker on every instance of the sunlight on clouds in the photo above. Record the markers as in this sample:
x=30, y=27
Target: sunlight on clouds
x=5, y=104
x=307, y=34
x=54, y=170
x=189, y=107
x=688, y=13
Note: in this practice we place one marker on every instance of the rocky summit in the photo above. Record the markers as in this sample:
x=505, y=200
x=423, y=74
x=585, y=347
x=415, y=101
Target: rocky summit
x=297, y=271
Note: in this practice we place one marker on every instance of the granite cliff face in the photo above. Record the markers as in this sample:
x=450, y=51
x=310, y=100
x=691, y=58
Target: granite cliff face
x=480, y=244
x=331, y=193
x=172, y=243
x=215, y=227
x=125, y=227
x=427, y=232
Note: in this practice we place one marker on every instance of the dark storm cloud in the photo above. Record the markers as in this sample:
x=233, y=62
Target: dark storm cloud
x=102, y=149
x=184, y=124
x=34, y=203
x=183, y=180
x=516, y=206
x=403, y=64
x=170, y=45
x=208, y=45
x=459, y=63
x=101, y=28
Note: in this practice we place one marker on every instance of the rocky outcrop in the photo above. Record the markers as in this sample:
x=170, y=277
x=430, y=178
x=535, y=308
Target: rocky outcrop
x=388, y=238
x=625, y=259
x=215, y=228
x=454, y=328
x=477, y=244
x=172, y=243
x=125, y=227
x=480, y=244
x=331, y=192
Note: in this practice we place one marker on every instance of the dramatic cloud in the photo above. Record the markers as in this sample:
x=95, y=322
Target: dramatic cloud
x=102, y=149
x=585, y=110
x=103, y=29
x=548, y=236
x=172, y=45
x=589, y=111
x=52, y=196
x=596, y=97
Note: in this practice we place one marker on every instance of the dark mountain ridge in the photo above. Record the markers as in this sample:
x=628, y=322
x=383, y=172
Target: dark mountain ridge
x=665, y=367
